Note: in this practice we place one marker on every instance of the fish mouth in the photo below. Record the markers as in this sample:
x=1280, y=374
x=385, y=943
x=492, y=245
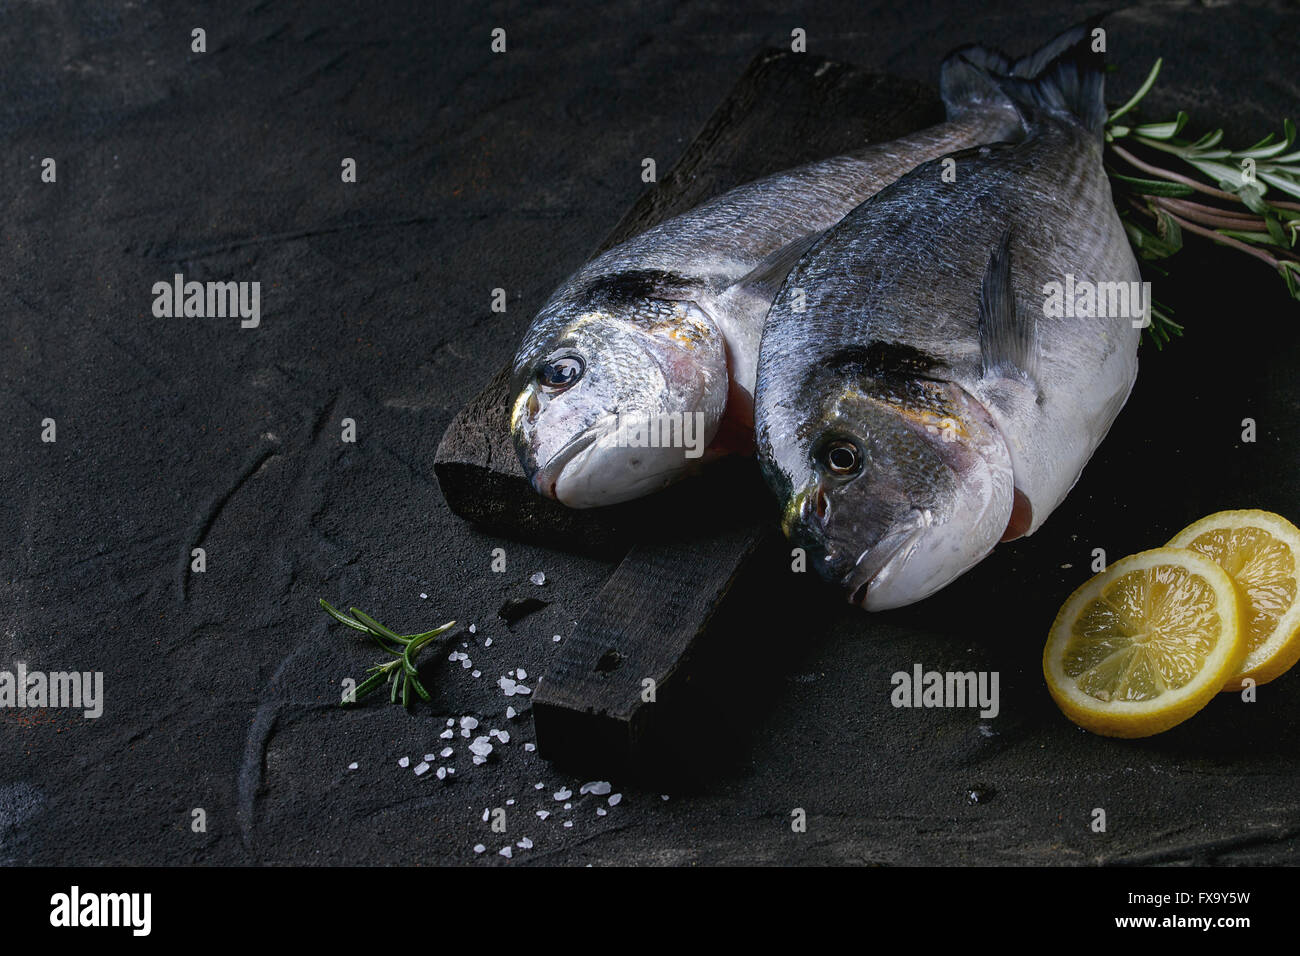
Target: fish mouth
x=877, y=561
x=547, y=476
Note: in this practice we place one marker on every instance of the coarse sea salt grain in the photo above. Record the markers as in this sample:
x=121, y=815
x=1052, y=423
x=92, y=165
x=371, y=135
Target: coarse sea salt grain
x=615, y=799
x=432, y=757
x=404, y=762
x=538, y=786
x=447, y=734
x=510, y=713
x=451, y=721
x=447, y=752
x=421, y=768
x=473, y=628
x=352, y=766
x=563, y=793
x=520, y=674
x=600, y=811
x=488, y=642
x=568, y=806
x=469, y=723
x=475, y=673
x=557, y=638
x=424, y=596
x=503, y=736
x=530, y=747
x=480, y=747
x=442, y=773
x=568, y=823
x=487, y=813
x=598, y=787
x=466, y=663
x=538, y=578
x=506, y=852
x=479, y=760
x=510, y=802
x=543, y=813
x=506, y=685
x=525, y=844
x=521, y=689
x=479, y=848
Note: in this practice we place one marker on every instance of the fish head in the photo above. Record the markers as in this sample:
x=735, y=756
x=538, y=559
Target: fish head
x=894, y=486
x=620, y=401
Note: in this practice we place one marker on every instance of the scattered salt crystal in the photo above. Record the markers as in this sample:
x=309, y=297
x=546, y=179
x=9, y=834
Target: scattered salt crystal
x=507, y=685
x=557, y=638
x=451, y=769
x=352, y=766
x=530, y=747
x=466, y=663
x=543, y=813
x=598, y=787
x=487, y=813
x=568, y=823
x=473, y=628
x=510, y=673
x=510, y=713
x=446, y=751
x=538, y=786
x=615, y=799
x=520, y=674
x=663, y=796
x=488, y=642
x=503, y=736
x=537, y=577
x=521, y=689
x=469, y=722
x=506, y=852
x=563, y=793
x=421, y=769
x=479, y=848
x=424, y=596
x=493, y=732
x=600, y=811
x=431, y=757
x=525, y=844
x=510, y=802
x=451, y=722
x=447, y=734
x=464, y=732
x=479, y=760
x=404, y=762
x=442, y=773
x=568, y=806
x=475, y=673
x=480, y=747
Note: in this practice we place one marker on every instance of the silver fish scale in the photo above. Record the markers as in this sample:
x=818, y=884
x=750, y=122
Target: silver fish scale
x=906, y=267
x=721, y=241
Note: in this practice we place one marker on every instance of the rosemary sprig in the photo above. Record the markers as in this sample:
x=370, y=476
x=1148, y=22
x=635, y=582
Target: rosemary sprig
x=402, y=647
x=1233, y=212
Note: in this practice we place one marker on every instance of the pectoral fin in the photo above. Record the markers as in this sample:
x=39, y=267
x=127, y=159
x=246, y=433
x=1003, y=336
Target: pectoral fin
x=1008, y=336
x=765, y=279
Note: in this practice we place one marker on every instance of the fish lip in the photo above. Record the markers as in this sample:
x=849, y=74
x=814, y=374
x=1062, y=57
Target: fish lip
x=547, y=476
x=876, y=560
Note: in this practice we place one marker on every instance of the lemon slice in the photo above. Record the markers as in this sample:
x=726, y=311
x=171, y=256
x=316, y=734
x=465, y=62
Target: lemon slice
x=1145, y=644
x=1260, y=551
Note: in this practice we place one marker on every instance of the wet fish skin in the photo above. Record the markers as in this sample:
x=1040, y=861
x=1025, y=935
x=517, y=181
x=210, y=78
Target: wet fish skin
x=669, y=322
x=923, y=356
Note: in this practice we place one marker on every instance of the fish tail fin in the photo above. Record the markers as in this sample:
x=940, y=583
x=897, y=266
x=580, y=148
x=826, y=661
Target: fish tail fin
x=1063, y=77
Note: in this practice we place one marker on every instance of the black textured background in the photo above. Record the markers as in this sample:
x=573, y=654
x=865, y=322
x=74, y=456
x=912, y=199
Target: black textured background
x=478, y=171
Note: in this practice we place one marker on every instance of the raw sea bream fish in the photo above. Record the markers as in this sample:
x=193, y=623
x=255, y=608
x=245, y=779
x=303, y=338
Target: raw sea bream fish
x=663, y=330
x=926, y=404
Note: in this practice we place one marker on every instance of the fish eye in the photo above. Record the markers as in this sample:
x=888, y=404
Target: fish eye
x=842, y=458
x=561, y=372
